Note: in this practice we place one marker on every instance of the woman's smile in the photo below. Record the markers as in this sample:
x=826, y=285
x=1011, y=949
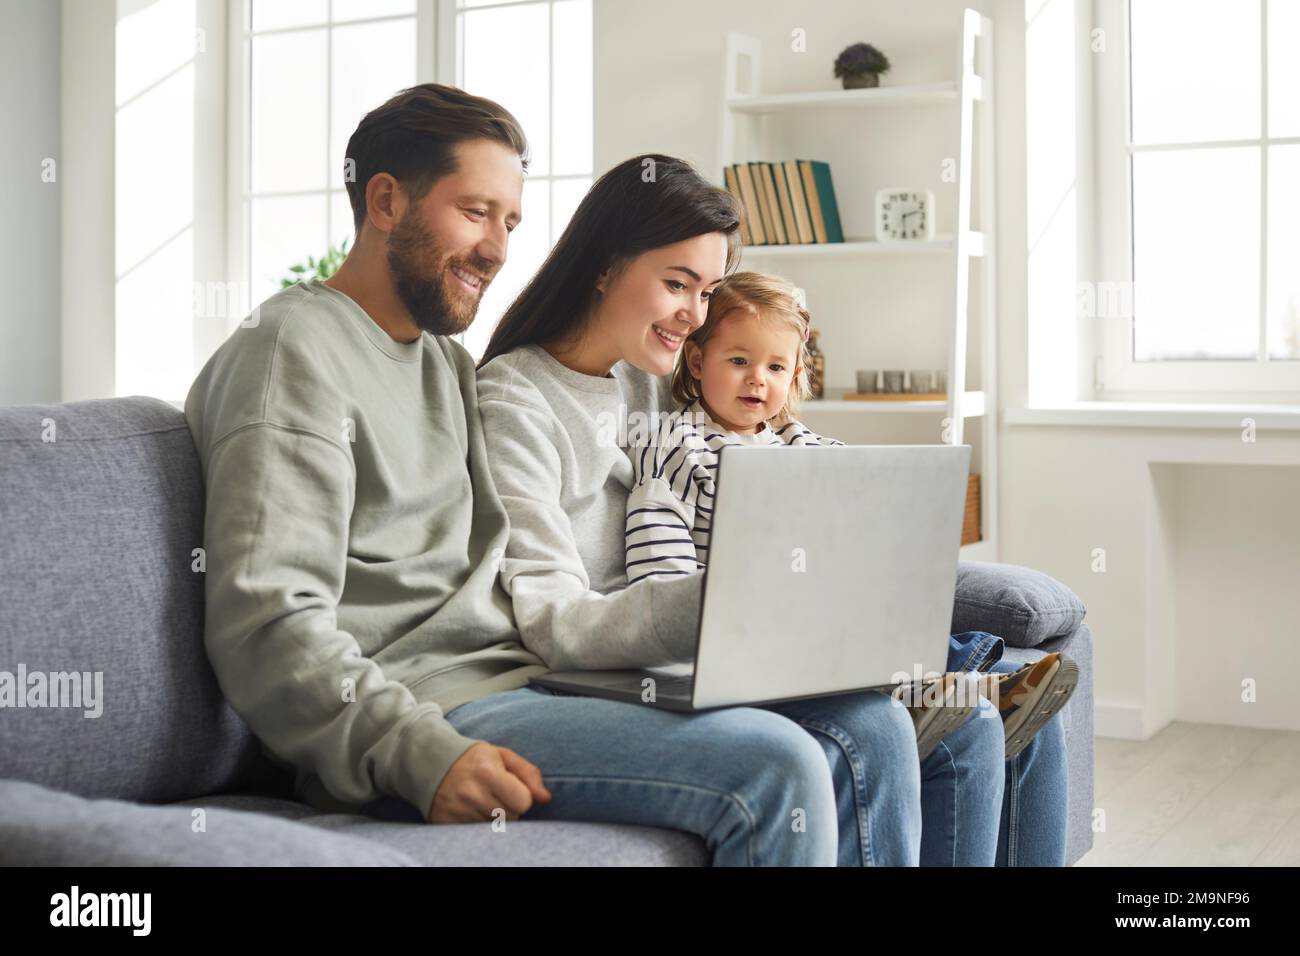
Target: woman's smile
x=670, y=340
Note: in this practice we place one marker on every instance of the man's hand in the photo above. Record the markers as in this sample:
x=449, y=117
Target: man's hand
x=484, y=778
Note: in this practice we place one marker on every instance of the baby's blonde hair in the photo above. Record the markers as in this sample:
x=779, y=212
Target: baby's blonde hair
x=766, y=296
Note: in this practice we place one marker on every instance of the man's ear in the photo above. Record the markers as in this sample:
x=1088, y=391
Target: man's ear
x=385, y=202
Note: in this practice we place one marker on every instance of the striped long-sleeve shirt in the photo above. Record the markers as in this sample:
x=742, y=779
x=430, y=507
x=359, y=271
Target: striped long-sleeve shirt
x=670, y=506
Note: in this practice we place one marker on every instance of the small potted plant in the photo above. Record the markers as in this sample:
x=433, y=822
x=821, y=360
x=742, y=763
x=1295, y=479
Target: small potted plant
x=317, y=268
x=860, y=66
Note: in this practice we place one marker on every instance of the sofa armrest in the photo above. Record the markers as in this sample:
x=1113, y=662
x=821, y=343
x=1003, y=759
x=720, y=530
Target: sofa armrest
x=1022, y=606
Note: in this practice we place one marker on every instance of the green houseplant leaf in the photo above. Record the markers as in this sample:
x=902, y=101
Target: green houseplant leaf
x=321, y=268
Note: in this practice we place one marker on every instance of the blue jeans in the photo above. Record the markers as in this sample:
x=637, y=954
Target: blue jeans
x=823, y=781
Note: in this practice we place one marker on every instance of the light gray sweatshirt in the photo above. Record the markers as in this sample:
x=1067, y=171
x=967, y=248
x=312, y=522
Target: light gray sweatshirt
x=560, y=463
x=352, y=535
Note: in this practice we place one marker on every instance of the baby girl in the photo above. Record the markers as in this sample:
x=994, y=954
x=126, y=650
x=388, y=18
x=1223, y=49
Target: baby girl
x=739, y=381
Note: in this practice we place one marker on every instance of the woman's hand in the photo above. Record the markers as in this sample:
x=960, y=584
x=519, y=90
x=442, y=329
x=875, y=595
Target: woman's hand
x=483, y=780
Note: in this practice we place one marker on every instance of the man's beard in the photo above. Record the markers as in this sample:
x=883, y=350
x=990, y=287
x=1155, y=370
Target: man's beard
x=421, y=272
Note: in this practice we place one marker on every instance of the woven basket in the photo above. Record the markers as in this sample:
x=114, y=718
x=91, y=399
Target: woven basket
x=970, y=529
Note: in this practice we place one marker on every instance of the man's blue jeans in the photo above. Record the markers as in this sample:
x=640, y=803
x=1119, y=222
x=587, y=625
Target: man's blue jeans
x=824, y=781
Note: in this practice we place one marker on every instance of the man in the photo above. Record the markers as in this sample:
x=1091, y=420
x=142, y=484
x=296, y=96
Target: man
x=353, y=532
x=341, y=454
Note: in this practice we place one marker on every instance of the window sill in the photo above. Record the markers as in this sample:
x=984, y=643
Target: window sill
x=1156, y=415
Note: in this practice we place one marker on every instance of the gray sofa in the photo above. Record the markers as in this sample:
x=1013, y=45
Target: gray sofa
x=101, y=508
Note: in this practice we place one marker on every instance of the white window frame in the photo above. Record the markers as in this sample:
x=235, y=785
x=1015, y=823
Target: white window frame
x=451, y=61
x=1120, y=377
x=238, y=152
x=438, y=59
x=450, y=15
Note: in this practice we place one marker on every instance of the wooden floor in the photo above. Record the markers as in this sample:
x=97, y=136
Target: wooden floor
x=1199, y=795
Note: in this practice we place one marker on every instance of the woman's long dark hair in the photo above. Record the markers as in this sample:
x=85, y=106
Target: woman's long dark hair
x=641, y=204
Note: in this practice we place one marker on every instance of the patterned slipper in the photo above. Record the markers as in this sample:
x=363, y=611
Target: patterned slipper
x=1033, y=695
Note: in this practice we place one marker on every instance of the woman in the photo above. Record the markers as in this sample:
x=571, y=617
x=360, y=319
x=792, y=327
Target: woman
x=592, y=339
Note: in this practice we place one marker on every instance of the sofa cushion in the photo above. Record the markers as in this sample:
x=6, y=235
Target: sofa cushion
x=1022, y=606
x=525, y=842
x=520, y=843
x=101, y=505
x=42, y=827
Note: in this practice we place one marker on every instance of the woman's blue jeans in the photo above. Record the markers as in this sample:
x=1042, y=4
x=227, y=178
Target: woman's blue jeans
x=824, y=781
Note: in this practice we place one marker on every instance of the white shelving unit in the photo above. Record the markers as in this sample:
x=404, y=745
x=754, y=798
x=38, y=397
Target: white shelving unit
x=963, y=250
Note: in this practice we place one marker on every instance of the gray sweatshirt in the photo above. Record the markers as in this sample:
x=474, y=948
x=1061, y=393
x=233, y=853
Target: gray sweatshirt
x=561, y=466
x=352, y=535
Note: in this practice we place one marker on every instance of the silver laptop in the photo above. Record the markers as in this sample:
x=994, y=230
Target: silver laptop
x=831, y=569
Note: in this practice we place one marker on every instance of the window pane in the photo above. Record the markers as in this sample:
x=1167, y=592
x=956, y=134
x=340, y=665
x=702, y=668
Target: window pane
x=525, y=251
x=285, y=230
x=573, y=153
x=565, y=196
x=1051, y=172
x=273, y=14
x=1284, y=252
x=1283, y=68
x=288, y=111
x=365, y=9
x=341, y=220
x=154, y=168
x=151, y=43
x=371, y=62
x=1196, y=254
x=505, y=59
x=1195, y=70
x=155, y=323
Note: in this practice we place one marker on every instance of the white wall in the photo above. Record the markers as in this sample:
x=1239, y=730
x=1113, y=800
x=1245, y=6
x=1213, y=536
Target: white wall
x=89, y=346
x=29, y=241
x=1196, y=551
x=1224, y=514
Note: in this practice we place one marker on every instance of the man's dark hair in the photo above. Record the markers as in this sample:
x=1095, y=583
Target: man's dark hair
x=413, y=138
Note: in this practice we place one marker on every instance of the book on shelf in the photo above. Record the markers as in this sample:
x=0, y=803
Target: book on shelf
x=774, y=212
x=760, y=193
x=787, y=206
x=787, y=202
x=794, y=182
x=821, y=200
x=749, y=202
x=733, y=187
